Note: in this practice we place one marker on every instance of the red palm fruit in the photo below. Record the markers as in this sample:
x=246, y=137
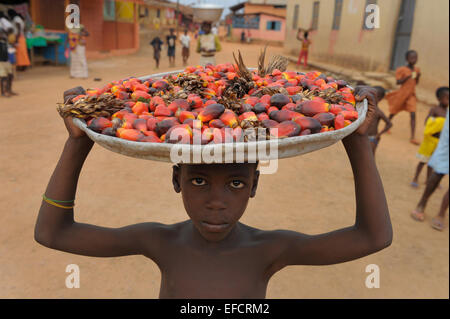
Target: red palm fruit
x=150, y=133
x=162, y=110
x=183, y=115
x=127, y=124
x=350, y=115
x=324, y=129
x=121, y=95
x=265, y=99
x=179, y=104
x=311, y=108
x=289, y=106
x=269, y=123
x=180, y=133
x=149, y=139
x=347, y=122
x=216, y=123
x=194, y=124
x=282, y=115
x=308, y=123
x=139, y=87
x=229, y=118
x=348, y=107
x=262, y=116
x=318, y=99
x=271, y=109
x=162, y=137
x=129, y=117
x=209, y=102
x=209, y=93
x=276, y=72
x=260, y=107
x=231, y=75
x=207, y=135
x=211, y=112
x=194, y=101
x=110, y=131
x=118, y=131
x=99, y=124
x=249, y=116
x=237, y=134
x=285, y=129
x=325, y=118
x=218, y=135
x=140, y=94
x=139, y=108
x=293, y=90
x=294, y=82
x=155, y=101
x=319, y=82
x=160, y=84
x=131, y=134
x=140, y=124
x=336, y=109
x=145, y=116
x=252, y=100
x=279, y=100
x=339, y=122
x=76, y=98
x=349, y=98
x=305, y=132
x=245, y=108
x=163, y=126
x=151, y=123
x=129, y=104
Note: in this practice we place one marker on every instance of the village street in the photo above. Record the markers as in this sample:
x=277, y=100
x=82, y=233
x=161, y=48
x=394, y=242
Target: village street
x=312, y=194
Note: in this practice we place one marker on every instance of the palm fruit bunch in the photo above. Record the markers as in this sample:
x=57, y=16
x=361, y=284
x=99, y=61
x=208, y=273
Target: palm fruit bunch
x=218, y=102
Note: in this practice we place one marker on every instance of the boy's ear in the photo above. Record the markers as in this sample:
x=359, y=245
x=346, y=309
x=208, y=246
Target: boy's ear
x=255, y=184
x=176, y=178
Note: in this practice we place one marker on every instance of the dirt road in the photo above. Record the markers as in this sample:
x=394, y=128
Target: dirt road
x=311, y=194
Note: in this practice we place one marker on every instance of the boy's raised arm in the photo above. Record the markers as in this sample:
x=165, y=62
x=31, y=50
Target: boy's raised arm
x=372, y=230
x=56, y=227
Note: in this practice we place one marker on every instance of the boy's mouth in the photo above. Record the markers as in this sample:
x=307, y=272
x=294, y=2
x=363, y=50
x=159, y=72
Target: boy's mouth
x=214, y=227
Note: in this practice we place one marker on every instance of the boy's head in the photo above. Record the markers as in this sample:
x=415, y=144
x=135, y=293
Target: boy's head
x=380, y=92
x=306, y=34
x=442, y=95
x=171, y=31
x=206, y=27
x=185, y=31
x=215, y=195
x=411, y=57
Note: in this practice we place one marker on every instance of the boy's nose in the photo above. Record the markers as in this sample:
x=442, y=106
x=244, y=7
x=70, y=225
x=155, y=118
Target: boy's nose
x=215, y=200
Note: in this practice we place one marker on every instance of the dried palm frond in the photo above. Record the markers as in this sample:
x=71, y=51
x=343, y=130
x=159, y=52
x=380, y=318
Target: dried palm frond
x=230, y=101
x=91, y=106
x=242, y=70
x=261, y=67
x=190, y=83
x=277, y=62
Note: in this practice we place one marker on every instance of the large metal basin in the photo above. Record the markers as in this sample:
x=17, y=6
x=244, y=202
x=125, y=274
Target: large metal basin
x=207, y=12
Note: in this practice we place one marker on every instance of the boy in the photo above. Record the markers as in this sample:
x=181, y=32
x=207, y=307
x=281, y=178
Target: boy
x=185, y=43
x=6, y=70
x=434, y=123
x=156, y=43
x=171, y=39
x=440, y=167
x=213, y=255
x=208, y=44
x=404, y=99
x=374, y=135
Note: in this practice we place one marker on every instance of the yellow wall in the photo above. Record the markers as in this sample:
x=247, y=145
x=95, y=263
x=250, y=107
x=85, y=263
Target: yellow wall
x=372, y=50
x=430, y=39
x=255, y=8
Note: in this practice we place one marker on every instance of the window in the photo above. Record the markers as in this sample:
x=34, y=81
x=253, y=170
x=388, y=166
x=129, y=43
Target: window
x=158, y=13
x=337, y=14
x=368, y=2
x=109, y=10
x=295, y=19
x=315, y=16
x=274, y=25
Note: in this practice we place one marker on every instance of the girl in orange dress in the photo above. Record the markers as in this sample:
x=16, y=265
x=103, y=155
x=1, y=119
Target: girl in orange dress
x=305, y=45
x=404, y=99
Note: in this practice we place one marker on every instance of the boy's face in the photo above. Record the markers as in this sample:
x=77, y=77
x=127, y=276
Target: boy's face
x=443, y=99
x=215, y=195
x=206, y=28
x=412, y=58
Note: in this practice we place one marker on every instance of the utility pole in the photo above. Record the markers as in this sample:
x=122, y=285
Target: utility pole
x=177, y=16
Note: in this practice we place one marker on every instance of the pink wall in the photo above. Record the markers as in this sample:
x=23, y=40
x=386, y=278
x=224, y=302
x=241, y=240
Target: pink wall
x=262, y=33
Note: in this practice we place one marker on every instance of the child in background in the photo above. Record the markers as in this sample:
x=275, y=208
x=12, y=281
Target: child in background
x=171, y=40
x=185, y=40
x=374, y=135
x=208, y=44
x=6, y=71
x=212, y=254
x=156, y=43
x=404, y=99
x=305, y=46
x=433, y=127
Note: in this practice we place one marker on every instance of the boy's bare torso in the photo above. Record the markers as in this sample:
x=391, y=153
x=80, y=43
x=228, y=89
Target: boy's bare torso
x=240, y=266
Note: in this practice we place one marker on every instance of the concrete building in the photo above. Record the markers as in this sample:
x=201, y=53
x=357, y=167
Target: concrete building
x=260, y=20
x=162, y=14
x=113, y=25
x=340, y=34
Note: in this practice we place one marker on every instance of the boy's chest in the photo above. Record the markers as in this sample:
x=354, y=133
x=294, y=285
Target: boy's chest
x=234, y=274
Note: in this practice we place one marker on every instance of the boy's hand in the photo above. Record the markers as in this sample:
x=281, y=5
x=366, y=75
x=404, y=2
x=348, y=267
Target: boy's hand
x=361, y=93
x=74, y=131
x=72, y=93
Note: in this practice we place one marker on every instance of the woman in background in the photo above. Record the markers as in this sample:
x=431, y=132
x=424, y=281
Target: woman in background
x=77, y=45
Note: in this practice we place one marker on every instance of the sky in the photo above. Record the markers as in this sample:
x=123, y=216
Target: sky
x=225, y=3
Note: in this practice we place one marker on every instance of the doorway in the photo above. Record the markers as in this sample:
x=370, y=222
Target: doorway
x=403, y=33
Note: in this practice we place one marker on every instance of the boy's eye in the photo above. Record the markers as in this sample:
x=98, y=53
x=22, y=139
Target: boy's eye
x=237, y=184
x=198, y=181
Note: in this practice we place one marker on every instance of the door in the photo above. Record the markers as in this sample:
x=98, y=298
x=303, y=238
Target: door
x=403, y=33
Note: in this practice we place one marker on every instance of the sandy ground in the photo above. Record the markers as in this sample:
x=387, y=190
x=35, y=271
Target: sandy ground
x=311, y=194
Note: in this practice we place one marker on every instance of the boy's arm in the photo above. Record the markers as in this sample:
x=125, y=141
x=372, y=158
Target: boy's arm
x=388, y=122
x=372, y=230
x=56, y=227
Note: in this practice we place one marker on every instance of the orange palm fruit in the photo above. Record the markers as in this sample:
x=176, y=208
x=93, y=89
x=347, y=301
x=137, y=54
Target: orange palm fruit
x=140, y=94
x=285, y=129
x=249, y=116
x=313, y=107
x=211, y=112
x=229, y=118
x=339, y=122
x=325, y=118
x=162, y=110
x=99, y=124
x=131, y=134
x=149, y=139
x=139, y=108
x=140, y=124
x=308, y=123
x=179, y=133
